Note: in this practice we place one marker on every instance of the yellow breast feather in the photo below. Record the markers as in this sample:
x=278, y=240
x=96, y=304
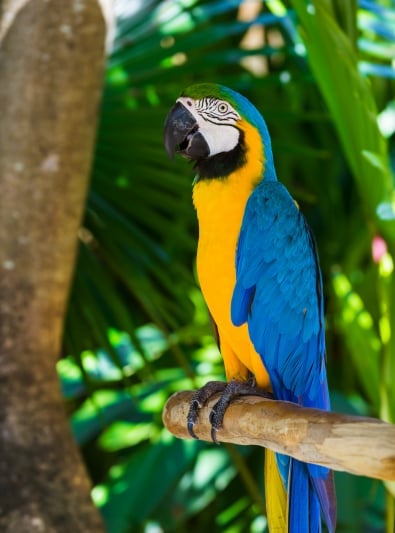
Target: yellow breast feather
x=220, y=205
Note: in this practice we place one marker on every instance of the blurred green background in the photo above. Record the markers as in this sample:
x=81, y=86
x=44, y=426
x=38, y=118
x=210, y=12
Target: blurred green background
x=322, y=74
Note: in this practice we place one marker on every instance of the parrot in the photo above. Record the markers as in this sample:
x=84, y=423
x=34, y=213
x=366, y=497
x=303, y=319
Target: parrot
x=259, y=273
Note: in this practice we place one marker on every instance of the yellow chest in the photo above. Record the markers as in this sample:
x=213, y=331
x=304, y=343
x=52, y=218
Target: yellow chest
x=220, y=207
x=220, y=204
x=220, y=218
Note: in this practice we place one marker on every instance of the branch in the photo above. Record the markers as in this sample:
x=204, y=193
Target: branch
x=359, y=445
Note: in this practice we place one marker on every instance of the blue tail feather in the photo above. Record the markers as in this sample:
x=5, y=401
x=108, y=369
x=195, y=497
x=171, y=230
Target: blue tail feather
x=299, y=519
x=310, y=495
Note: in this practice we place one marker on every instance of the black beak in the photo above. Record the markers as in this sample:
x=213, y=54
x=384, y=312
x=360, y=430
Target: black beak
x=182, y=134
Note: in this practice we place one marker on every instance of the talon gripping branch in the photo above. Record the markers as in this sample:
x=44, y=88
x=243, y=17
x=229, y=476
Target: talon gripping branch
x=259, y=273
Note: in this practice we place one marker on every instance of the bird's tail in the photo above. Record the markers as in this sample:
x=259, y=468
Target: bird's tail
x=310, y=496
x=276, y=495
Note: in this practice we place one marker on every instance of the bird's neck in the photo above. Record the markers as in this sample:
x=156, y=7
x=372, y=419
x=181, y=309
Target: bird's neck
x=246, y=165
x=222, y=199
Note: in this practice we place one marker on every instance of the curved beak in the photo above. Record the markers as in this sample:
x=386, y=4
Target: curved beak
x=181, y=134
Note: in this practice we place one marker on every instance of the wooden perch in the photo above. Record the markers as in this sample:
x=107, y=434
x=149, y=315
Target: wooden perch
x=360, y=445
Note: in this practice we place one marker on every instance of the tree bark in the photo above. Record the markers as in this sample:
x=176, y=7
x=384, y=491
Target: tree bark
x=51, y=68
x=355, y=444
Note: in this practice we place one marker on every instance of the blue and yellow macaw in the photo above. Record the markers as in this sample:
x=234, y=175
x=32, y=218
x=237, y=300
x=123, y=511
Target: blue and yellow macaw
x=259, y=273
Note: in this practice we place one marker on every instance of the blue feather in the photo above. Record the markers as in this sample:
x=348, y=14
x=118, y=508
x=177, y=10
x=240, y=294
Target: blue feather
x=299, y=500
x=278, y=293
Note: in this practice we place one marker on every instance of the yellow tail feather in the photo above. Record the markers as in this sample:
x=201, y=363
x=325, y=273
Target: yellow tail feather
x=276, y=496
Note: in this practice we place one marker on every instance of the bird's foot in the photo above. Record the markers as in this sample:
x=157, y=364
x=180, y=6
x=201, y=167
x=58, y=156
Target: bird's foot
x=200, y=398
x=228, y=391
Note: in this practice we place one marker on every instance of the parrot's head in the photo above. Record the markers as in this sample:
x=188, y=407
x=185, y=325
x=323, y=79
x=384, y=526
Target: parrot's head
x=216, y=128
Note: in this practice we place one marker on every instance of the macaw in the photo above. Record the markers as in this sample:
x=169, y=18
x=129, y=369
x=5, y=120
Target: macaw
x=259, y=273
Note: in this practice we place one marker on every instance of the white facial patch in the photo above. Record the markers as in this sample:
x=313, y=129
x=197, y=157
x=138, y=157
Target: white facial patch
x=216, y=120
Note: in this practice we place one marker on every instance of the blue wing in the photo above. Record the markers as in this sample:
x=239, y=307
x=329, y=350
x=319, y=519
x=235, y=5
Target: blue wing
x=278, y=292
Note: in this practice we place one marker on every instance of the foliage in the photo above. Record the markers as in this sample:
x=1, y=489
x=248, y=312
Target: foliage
x=137, y=330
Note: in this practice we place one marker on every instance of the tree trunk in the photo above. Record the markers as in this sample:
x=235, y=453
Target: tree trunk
x=51, y=67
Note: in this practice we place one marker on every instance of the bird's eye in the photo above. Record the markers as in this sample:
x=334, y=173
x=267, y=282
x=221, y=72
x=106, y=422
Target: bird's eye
x=222, y=107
